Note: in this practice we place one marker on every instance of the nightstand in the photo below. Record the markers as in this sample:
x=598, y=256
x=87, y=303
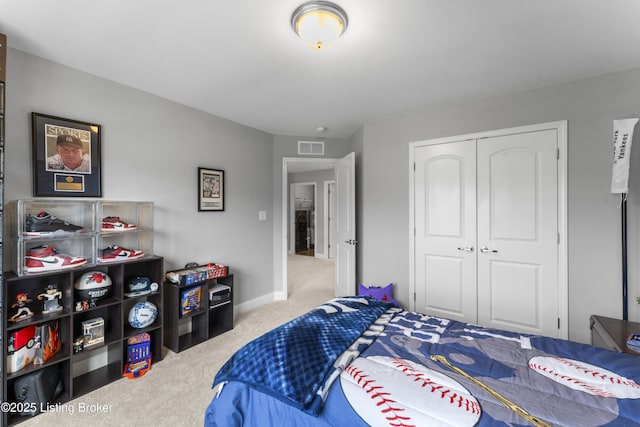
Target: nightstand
x=613, y=333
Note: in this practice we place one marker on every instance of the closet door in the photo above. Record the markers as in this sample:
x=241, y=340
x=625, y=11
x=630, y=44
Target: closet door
x=518, y=232
x=445, y=230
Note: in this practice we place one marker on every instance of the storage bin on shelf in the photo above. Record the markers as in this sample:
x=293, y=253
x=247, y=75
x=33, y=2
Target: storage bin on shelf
x=197, y=274
x=124, y=224
x=74, y=228
x=41, y=228
x=34, y=255
x=26, y=218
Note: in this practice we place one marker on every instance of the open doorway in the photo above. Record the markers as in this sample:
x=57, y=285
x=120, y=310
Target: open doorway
x=308, y=236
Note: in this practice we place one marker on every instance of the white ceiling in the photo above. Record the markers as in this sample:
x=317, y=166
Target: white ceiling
x=240, y=60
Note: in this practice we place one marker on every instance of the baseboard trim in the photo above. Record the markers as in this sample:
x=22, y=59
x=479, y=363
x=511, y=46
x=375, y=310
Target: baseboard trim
x=255, y=303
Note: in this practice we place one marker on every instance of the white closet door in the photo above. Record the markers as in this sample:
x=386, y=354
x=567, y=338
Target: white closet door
x=445, y=230
x=518, y=232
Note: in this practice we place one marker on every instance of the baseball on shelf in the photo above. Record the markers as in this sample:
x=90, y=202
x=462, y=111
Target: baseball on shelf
x=585, y=377
x=391, y=391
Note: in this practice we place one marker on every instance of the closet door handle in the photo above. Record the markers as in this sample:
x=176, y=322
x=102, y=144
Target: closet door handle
x=485, y=250
x=466, y=248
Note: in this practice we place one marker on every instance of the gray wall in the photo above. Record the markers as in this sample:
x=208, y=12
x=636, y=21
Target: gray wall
x=151, y=149
x=590, y=106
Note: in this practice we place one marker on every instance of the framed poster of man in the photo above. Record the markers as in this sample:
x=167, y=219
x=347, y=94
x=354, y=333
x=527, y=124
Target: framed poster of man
x=66, y=157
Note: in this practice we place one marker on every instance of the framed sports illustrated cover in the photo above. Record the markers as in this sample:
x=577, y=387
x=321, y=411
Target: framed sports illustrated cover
x=66, y=157
x=210, y=189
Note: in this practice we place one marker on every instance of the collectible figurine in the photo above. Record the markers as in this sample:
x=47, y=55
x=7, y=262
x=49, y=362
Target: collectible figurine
x=51, y=296
x=78, y=344
x=24, y=312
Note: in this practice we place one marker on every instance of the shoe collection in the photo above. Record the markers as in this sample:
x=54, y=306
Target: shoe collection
x=46, y=257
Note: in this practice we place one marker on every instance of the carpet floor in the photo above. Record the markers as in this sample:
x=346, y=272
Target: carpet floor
x=176, y=391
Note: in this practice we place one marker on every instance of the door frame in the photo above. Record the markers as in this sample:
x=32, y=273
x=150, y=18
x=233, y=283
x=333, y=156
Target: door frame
x=563, y=278
x=286, y=161
x=329, y=202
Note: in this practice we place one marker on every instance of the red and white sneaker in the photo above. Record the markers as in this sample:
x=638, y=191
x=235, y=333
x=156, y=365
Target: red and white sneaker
x=114, y=223
x=116, y=253
x=47, y=258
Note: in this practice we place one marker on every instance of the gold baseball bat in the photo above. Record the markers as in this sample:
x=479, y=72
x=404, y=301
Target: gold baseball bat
x=500, y=398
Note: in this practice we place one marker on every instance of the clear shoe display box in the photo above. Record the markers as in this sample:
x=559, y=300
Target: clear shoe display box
x=73, y=228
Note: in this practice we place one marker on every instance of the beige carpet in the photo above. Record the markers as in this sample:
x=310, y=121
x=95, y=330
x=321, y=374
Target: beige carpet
x=176, y=391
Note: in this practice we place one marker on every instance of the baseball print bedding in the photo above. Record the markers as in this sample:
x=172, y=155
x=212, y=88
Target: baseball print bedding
x=404, y=369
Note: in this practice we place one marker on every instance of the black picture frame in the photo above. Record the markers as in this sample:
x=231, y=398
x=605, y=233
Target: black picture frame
x=210, y=189
x=55, y=141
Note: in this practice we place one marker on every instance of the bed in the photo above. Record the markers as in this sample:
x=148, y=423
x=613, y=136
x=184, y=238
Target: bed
x=356, y=361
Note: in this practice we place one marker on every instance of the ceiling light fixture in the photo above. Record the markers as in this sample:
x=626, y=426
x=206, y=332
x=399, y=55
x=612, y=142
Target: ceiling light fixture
x=319, y=23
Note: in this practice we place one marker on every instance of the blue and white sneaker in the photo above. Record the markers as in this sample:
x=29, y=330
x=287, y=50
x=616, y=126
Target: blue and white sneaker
x=115, y=253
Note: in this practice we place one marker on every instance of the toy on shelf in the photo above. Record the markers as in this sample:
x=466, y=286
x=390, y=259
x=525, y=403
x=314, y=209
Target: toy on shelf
x=138, y=356
x=93, y=330
x=24, y=312
x=21, y=348
x=85, y=304
x=47, y=341
x=51, y=295
x=142, y=314
x=78, y=344
x=189, y=300
x=139, y=286
x=192, y=273
x=92, y=286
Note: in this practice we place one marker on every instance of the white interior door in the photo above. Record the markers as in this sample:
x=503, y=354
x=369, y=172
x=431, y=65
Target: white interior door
x=445, y=230
x=518, y=232
x=345, y=226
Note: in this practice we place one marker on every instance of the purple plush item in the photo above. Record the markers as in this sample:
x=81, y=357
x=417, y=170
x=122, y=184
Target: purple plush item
x=379, y=293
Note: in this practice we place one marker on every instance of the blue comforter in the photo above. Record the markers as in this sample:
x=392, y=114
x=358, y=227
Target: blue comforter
x=295, y=362
x=424, y=370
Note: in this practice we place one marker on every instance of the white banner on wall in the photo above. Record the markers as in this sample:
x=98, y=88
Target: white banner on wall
x=622, y=138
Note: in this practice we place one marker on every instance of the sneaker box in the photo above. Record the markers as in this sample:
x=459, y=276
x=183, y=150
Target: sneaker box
x=80, y=213
x=42, y=223
x=138, y=214
x=87, y=243
x=73, y=247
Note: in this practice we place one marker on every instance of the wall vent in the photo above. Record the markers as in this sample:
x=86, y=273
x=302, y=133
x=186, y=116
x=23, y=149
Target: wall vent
x=311, y=148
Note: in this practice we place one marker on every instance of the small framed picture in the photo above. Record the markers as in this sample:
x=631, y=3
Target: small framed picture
x=66, y=157
x=210, y=189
